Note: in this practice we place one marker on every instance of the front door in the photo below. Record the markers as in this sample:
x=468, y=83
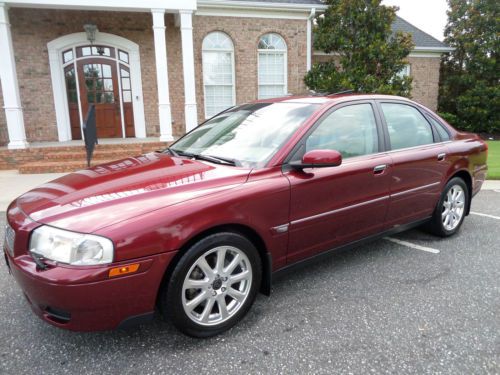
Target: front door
x=332, y=206
x=99, y=86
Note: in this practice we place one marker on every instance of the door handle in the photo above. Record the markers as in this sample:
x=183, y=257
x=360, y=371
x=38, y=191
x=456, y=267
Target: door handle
x=379, y=168
x=441, y=156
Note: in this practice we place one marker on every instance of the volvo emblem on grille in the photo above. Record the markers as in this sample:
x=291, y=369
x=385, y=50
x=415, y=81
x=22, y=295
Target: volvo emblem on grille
x=9, y=239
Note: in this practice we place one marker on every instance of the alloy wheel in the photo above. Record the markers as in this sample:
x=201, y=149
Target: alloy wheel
x=217, y=285
x=453, y=207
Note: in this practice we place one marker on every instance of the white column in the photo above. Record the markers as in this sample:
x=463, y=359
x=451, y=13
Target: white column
x=162, y=75
x=10, y=87
x=190, y=112
x=310, y=44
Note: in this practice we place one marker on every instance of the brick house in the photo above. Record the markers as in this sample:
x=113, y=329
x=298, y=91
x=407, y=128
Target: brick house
x=423, y=63
x=155, y=68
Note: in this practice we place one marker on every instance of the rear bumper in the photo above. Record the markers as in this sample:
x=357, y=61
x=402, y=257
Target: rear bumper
x=85, y=299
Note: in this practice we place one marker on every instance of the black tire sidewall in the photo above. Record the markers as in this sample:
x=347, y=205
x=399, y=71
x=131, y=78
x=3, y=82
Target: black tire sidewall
x=171, y=299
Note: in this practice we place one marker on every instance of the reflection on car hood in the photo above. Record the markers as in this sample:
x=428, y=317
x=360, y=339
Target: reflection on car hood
x=90, y=199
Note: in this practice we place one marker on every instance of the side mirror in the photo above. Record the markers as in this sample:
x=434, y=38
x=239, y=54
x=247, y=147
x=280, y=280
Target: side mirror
x=319, y=159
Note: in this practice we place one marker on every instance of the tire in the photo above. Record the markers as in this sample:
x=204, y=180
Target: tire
x=450, y=210
x=213, y=285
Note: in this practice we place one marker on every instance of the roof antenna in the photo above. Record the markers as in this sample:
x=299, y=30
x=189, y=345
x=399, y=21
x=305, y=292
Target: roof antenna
x=341, y=92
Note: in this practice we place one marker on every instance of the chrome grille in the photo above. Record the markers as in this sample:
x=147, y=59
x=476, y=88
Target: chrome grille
x=10, y=235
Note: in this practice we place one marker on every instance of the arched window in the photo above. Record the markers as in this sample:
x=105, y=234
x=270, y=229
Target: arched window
x=272, y=66
x=218, y=73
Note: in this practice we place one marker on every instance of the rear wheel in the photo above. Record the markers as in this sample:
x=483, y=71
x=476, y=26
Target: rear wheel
x=450, y=211
x=213, y=285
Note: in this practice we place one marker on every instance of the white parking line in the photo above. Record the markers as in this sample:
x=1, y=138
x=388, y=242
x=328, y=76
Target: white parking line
x=485, y=215
x=412, y=245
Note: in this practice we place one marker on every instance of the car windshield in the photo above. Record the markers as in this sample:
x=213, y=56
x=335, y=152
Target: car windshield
x=247, y=136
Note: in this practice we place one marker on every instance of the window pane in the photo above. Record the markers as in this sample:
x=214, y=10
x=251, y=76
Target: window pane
x=217, y=99
x=86, y=51
x=250, y=134
x=272, y=79
x=124, y=73
x=70, y=79
x=271, y=91
x=441, y=130
x=217, y=40
x=106, y=71
x=407, y=127
x=350, y=130
x=125, y=83
x=68, y=56
x=217, y=68
x=127, y=96
x=123, y=56
x=272, y=41
x=107, y=84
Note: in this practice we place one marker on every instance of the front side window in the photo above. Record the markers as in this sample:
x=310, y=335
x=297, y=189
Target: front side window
x=407, y=126
x=350, y=130
x=218, y=73
x=249, y=134
x=272, y=66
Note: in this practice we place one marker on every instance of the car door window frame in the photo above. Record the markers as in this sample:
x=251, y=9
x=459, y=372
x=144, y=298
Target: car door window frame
x=435, y=135
x=382, y=146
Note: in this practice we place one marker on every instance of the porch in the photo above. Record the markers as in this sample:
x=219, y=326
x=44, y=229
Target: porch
x=69, y=156
x=101, y=68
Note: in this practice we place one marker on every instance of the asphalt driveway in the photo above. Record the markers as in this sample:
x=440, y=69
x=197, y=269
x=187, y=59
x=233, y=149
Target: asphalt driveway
x=424, y=305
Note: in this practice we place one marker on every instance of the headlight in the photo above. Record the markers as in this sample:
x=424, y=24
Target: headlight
x=70, y=247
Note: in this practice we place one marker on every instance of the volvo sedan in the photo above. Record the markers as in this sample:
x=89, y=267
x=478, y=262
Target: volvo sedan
x=198, y=229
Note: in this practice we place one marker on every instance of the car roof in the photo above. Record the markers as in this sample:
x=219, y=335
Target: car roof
x=332, y=98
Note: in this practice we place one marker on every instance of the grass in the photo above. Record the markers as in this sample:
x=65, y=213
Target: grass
x=493, y=160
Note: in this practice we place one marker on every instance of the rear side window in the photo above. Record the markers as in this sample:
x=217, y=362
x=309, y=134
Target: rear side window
x=407, y=126
x=443, y=134
x=350, y=130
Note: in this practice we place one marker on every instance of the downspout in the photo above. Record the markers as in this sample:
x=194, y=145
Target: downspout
x=309, y=38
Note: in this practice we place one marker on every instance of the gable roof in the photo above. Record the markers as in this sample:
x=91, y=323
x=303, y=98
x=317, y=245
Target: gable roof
x=421, y=39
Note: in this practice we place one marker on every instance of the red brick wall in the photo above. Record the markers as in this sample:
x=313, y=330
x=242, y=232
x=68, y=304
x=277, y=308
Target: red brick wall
x=425, y=73
x=32, y=29
x=245, y=33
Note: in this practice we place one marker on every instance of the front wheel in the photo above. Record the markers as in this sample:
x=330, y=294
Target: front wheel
x=213, y=285
x=450, y=211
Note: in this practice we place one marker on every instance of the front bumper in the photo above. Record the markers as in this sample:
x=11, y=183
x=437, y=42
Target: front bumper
x=84, y=299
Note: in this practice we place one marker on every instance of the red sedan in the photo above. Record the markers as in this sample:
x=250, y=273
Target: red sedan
x=198, y=229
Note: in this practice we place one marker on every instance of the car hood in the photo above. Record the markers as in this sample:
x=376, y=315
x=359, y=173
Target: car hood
x=90, y=199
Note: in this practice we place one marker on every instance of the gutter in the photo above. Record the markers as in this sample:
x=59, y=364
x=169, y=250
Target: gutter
x=259, y=5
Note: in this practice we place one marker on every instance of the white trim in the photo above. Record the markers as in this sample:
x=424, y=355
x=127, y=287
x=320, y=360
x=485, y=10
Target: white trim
x=10, y=86
x=252, y=13
x=416, y=52
x=436, y=55
x=122, y=5
x=434, y=49
x=190, y=110
x=160, y=43
x=55, y=49
x=260, y=5
x=309, y=42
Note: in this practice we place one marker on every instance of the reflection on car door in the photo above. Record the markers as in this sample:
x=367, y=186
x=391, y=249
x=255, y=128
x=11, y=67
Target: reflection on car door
x=335, y=205
x=419, y=163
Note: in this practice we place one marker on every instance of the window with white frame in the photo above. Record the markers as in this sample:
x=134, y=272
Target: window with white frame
x=218, y=73
x=272, y=66
x=405, y=72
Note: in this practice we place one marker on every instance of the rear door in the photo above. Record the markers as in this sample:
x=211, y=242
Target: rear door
x=419, y=160
x=335, y=205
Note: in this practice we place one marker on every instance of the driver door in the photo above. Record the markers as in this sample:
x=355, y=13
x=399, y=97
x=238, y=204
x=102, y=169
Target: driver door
x=336, y=205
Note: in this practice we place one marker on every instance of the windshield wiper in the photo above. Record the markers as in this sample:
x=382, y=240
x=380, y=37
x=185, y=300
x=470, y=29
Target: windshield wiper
x=217, y=159
x=210, y=158
x=172, y=152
